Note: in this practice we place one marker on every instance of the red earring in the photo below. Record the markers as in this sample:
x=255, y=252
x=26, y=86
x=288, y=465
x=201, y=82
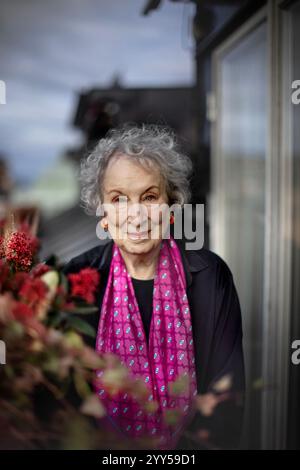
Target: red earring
x=172, y=218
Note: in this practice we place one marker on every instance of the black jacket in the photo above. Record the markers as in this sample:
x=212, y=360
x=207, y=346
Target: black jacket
x=217, y=331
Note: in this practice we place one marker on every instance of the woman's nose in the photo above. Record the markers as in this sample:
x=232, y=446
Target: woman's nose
x=138, y=223
x=138, y=216
x=137, y=211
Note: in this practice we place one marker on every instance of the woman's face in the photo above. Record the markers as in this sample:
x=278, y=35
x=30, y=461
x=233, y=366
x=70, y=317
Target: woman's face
x=135, y=203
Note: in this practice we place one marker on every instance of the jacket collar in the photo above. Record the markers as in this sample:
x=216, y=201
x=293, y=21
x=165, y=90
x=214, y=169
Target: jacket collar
x=192, y=260
x=106, y=256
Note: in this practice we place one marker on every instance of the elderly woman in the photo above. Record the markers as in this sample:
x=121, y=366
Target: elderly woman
x=167, y=312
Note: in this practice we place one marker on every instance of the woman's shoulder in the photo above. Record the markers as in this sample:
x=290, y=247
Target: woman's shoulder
x=205, y=258
x=89, y=258
x=201, y=257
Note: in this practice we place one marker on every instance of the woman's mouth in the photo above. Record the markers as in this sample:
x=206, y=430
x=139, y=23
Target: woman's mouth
x=138, y=235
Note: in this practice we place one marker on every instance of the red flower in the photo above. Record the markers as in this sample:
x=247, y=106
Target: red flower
x=15, y=283
x=22, y=311
x=35, y=242
x=19, y=250
x=32, y=292
x=84, y=284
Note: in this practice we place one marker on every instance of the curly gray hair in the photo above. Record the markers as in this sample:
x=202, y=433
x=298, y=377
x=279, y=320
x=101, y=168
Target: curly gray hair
x=150, y=145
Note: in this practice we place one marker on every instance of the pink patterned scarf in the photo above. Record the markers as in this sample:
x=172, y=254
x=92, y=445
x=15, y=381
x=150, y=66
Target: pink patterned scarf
x=170, y=352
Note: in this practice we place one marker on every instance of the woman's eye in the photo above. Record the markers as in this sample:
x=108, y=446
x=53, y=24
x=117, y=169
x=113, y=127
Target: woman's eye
x=117, y=199
x=123, y=199
x=150, y=197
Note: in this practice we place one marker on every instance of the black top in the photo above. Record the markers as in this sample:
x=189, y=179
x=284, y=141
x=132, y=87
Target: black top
x=143, y=289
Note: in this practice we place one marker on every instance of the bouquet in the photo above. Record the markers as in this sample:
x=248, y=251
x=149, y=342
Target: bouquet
x=47, y=397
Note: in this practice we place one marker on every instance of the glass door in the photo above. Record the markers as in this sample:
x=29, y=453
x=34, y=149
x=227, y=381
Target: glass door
x=237, y=215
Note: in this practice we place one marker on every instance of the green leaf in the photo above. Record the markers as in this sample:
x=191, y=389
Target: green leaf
x=51, y=364
x=14, y=330
x=84, y=310
x=64, y=282
x=81, y=385
x=81, y=326
x=56, y=319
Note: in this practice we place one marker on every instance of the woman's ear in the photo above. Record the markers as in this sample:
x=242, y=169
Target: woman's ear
x=103, y=222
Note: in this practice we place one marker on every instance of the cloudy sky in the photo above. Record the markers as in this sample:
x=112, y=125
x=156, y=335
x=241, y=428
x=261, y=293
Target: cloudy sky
x=52, y=49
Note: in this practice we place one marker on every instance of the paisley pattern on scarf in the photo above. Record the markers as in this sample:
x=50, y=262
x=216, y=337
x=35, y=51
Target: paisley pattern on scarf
x=169, y=354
